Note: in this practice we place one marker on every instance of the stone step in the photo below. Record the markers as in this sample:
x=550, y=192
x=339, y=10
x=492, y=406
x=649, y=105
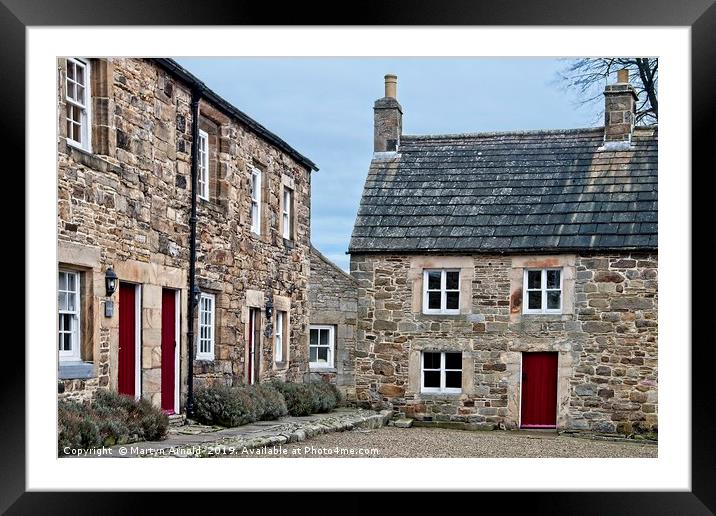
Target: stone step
x=405, y=422
x=177, y=419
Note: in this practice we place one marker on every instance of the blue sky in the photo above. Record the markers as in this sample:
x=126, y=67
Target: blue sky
x=323, y=107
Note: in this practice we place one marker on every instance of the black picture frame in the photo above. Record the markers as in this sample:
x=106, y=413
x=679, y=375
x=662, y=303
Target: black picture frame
x=700, y=15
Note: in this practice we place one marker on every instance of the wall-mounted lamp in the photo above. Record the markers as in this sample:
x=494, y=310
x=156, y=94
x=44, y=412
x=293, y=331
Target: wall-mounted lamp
x=269, y=309
x=110, y=282
x=196, y=295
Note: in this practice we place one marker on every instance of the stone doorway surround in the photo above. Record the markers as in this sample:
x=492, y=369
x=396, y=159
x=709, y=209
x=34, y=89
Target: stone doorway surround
x=152, y=278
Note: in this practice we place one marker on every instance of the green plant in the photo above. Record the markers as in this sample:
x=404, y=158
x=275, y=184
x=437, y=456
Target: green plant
x=224, y=406
x=269, y=401
x=110, y=419
x=142, y=419
x=299, y=399
x=76, y=429
x=325, y=396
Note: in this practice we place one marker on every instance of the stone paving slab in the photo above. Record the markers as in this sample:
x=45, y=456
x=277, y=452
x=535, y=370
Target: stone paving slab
x=194, y=440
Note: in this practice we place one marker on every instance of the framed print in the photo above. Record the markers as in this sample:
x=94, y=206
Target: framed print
x=430, y=245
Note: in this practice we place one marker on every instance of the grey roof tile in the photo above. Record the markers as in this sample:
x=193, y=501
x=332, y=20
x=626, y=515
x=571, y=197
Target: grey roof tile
x=511, y=191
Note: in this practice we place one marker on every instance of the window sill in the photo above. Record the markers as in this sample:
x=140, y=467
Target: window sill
x=320, y=369
x=87, y=158
x=75, y=370
x=204, y=358
x=283, y=364
x=78, y=146
x=440, y=395
x=422, y=316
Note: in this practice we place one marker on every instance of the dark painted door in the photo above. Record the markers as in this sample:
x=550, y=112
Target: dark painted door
x=254, y=345
x=169, y=338
x=127, y=338
x=539, y=390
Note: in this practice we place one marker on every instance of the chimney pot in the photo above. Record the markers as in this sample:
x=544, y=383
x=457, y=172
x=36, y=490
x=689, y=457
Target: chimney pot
x=391, y=85
x=623, y=76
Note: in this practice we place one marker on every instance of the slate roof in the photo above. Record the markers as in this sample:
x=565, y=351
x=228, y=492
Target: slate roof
x=511, y=192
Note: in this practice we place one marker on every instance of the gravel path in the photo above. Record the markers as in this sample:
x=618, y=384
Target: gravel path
x=437, y=442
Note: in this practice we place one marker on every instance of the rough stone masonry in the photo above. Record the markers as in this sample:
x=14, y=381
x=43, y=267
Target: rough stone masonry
x=455, y=242
x=124, y=202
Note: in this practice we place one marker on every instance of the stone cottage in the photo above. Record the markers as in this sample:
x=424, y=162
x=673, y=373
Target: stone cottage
x=183, y=224
x=333, y=306
x=510, y=279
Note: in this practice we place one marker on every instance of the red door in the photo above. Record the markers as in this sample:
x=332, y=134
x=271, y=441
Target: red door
x=168, y=349
x=254, y=339
x=539, y=390
x=127, y=338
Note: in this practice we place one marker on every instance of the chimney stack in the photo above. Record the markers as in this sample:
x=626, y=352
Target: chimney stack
x=388, y=118
x=619, y=109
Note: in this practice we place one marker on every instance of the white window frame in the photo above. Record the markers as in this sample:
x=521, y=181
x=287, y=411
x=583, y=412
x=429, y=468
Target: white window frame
x=85, y=108
x=73, y=354
x=442, y=388
x=203, y=162
x=330, y=363
x=543, y=289
x=255, y=201
x=287, y=214
x=207, y=354
x=279, y=336
x=443, y=292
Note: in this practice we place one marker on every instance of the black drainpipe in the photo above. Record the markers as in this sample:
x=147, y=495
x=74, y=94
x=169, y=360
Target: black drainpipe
x=195, y=97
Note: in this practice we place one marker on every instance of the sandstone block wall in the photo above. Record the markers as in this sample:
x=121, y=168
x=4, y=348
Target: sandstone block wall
x=332, y=300
x=606, y=339
x=126, y=204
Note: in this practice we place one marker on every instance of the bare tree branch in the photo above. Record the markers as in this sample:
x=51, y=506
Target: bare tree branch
x=584, y=75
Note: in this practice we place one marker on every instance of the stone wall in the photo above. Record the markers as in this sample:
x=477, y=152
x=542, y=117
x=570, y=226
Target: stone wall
x=126, y=204
x=332, y=300
x=606, y=339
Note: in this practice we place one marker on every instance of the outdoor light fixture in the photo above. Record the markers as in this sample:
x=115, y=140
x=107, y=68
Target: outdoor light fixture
x=110, y=282
x=269, y=309
x=195, y=295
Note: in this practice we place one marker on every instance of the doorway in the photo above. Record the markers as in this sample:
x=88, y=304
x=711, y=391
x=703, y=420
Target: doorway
x=254, y=346
x=539, y=390
x=170, y=351
x=128, y=382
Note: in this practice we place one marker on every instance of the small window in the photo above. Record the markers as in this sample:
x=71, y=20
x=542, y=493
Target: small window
x=279, y=336
x=77, y=96
x=287, y=212
x=203, y=162
x=68, y=302
x=441, y=372
x=543, y=291
x=205, y=349
x=256, y=201
x=441, y=291
x=321, y=346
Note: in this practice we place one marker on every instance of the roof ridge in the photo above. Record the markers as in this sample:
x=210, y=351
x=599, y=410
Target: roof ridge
x=329, y=262
x=535, y=132
x=529, y=132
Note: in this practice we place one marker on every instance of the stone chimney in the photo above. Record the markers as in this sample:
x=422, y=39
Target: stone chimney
x=388, y=118
x=619, y=109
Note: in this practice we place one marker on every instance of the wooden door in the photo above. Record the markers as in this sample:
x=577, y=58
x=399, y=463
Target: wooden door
x=254, y=347
x=127, y=339
x=169, y=348
x=539, y=390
